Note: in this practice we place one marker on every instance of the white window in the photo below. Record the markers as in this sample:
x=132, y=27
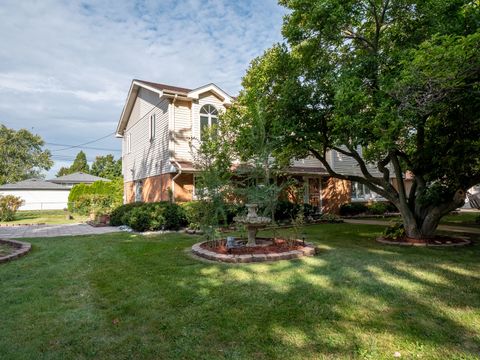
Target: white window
x=152, y=127
x=129, y=143
x=208, y=117
x=360, y=192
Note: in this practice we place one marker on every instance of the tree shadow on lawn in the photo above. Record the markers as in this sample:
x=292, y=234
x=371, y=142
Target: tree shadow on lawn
x=356, y=299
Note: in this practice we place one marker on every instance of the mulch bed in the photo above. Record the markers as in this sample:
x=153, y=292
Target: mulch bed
x=438, y=240
x=276, y=246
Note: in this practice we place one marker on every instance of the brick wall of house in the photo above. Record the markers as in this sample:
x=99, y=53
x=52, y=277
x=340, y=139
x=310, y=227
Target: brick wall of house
x=184, y=187
x=335, y=192
x=129, y=191
x=155, y=188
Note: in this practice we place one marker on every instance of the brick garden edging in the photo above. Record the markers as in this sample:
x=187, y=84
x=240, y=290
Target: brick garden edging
x=307, y=250
x=21, y=249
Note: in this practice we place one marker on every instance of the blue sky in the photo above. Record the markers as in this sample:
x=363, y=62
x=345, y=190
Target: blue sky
x=66, y=66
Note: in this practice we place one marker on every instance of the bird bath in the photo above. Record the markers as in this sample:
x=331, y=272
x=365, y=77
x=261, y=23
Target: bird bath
x=252, y=222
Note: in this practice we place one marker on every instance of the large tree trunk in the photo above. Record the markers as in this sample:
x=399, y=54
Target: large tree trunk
x=422, y=222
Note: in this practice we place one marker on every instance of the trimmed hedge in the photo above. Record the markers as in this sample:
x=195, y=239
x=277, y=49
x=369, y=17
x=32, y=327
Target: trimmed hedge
x=149, y=216
x=83, y=198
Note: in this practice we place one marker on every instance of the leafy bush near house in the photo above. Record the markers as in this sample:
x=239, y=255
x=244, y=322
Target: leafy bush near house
x=116, y=215
x=9, y=205
x=351, y=209
x=309, y=211
x=330, y=218
x=150, y=216
x=286, y=210
x=99, y=197
x=195, y=212
x=377, y=208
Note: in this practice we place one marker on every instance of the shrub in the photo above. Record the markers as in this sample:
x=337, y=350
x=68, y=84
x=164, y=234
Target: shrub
x=9, y=205
x=377, y=208
x=351, y=209
x=394, y=231
x=117, y=214
x=139, y=219
x=309, y=211
x=286, y=210
x=149, y=216
x=194, y=213
x=477, y=219
x=330, y=218
x=104, y=196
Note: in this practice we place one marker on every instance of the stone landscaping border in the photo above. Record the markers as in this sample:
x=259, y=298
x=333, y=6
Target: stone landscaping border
x=390, y=242
x=21, y=249
x=307, y=250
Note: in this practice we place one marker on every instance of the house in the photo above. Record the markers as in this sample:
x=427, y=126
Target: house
x=157, y=124
x=38, y=194
x=76, y=178
x=51, y=194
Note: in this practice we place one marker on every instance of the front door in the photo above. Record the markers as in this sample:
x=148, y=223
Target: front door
x=314, y=190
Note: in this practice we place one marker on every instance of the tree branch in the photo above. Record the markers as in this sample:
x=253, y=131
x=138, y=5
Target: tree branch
x=359, y=179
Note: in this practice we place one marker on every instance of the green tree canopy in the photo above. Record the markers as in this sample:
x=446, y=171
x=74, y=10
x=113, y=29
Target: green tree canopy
x=80, y=164
x=391, y=84
x=21, y=155
x=107, y=167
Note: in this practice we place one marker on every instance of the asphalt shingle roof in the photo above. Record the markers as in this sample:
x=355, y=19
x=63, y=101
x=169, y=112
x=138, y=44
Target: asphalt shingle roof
x=78, y=177
x=33, y=184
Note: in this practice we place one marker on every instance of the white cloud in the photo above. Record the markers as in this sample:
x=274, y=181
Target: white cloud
x=65, y=67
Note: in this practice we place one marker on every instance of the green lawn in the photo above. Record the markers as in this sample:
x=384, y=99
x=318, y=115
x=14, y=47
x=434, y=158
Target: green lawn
x=462, y=219
x=5, y=249
x=124, y=296
x=50, y=217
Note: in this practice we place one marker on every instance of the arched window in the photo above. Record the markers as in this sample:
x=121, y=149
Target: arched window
x=208, y=117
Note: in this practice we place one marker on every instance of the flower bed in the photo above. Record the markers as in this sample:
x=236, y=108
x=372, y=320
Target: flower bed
x=267, y=250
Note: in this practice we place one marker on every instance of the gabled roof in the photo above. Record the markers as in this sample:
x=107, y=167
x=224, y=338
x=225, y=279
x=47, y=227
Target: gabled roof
x=33, y=184
x=169, y=91
x=78, y=177
x=163, y=87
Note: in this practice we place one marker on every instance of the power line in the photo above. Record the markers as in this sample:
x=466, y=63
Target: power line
x=83, y=147
x=88, y=142
x=103, y=137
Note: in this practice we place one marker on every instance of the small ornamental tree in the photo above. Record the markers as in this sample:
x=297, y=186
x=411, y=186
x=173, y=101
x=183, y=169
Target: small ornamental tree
x=398, y=79
x=9, y=205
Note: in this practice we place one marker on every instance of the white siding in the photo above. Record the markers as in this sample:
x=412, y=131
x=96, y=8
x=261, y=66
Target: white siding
x=182, y=131
x=347, y=165
x=41, y=199
x=309, y=161
x=147, y=158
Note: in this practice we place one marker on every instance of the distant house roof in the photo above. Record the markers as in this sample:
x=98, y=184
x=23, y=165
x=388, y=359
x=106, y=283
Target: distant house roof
x=33, y=184
x=77, y=178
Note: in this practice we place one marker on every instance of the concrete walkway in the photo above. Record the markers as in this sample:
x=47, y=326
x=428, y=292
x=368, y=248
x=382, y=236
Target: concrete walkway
x=31, y=231
x=451, y=228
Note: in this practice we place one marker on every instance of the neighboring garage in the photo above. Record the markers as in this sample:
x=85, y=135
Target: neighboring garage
x=38, y=194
